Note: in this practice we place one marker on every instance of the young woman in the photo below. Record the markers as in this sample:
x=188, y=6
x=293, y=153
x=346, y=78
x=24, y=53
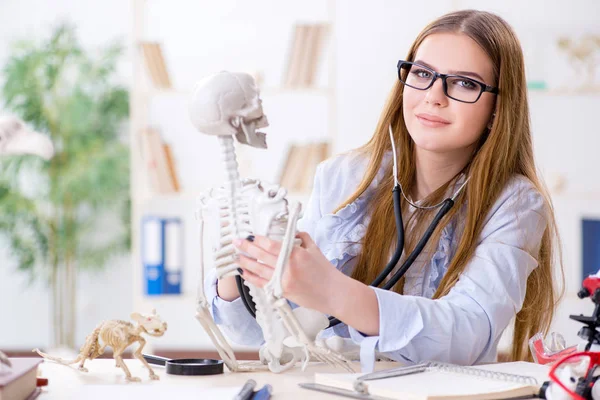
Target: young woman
x=459, y=119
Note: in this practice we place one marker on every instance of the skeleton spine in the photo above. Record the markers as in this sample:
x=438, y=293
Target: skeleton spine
x=232, y=181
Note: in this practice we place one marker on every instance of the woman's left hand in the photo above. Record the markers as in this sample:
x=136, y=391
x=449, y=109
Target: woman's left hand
x=307, y=279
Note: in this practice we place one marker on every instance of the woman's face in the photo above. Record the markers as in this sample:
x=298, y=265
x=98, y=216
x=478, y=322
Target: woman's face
x=436, y=122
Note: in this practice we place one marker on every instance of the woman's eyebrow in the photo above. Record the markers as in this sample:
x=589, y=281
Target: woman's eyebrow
x=474, y=74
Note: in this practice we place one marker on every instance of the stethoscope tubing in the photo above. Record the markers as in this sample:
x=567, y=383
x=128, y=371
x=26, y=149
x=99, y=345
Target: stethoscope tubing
x=446, y=206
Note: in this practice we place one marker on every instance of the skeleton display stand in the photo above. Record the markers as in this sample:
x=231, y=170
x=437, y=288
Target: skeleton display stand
x=119, y=335
x=227, y=105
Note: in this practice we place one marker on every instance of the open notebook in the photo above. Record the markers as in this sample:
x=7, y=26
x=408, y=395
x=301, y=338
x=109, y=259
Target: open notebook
x=445, y=381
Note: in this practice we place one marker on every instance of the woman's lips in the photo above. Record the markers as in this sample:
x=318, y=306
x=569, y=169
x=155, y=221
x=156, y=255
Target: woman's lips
x=432, y=121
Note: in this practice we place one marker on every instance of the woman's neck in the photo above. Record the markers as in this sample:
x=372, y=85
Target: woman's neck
x=435, y=169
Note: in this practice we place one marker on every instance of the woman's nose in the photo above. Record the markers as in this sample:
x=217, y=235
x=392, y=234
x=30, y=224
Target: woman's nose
x=435, y=94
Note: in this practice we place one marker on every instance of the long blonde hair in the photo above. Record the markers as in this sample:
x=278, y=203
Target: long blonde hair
x=504, y=151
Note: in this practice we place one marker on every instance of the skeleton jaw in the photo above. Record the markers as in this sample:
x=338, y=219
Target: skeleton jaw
x=248, y=134
x=157, y=332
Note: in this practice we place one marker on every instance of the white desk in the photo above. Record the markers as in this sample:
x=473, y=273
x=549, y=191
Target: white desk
x=65, y=382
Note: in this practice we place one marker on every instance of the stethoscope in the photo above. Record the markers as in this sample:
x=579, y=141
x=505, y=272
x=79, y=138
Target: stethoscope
x=444, y=207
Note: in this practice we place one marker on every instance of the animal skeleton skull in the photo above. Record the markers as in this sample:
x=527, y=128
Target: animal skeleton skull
x=228, y=105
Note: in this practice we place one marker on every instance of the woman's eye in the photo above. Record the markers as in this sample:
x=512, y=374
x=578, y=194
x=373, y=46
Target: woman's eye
x=466, y=84
x=422, y=73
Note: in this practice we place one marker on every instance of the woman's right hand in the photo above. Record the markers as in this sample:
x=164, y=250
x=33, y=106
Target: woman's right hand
x=227, y=288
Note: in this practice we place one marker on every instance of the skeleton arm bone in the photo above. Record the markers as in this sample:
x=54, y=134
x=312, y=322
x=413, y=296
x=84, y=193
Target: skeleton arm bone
x=204, y=317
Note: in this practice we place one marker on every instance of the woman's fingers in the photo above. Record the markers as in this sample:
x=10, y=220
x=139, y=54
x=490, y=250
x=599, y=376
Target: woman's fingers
x=269, y=245
x=307, y=241
x=259, y=269
x=260, y=248
x=254, y=279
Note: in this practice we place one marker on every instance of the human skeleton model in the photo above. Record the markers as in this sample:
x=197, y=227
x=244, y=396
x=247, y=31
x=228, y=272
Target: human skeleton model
x=119, y=335
x=227, y=105
x=16, y=138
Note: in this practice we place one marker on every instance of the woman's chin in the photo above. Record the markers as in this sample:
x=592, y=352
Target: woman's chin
x=431, y=145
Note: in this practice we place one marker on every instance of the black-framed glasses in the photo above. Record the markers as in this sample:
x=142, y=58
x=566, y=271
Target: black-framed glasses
x=457, y=87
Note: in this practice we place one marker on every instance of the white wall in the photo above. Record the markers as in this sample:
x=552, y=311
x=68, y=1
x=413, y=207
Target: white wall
x=369, y=38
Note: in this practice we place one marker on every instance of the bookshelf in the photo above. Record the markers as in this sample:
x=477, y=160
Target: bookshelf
x=152, y=82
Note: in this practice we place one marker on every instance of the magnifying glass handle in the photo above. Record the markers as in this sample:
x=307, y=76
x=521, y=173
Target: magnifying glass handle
x=155, y=359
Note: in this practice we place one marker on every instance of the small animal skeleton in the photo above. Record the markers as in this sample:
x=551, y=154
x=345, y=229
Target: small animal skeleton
x=227, y=105
x=119, y=335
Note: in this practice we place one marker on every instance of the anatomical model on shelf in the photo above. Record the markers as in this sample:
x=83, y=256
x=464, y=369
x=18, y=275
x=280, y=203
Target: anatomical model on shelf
x=16, y=139
x=227, y=105
x=119, y=335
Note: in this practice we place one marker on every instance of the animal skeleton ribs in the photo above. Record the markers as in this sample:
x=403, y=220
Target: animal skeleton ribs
x=227, y=105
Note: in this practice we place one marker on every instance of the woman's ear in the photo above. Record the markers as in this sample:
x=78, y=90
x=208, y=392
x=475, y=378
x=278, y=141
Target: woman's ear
x=489, y=125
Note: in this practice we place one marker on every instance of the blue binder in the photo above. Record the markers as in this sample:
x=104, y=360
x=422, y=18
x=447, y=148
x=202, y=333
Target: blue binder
x=162, y=255
x=591, y=247
x=173, y=251
x=152, y=255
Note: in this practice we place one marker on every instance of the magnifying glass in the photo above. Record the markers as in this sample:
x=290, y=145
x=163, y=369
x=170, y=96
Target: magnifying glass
x=187, y=366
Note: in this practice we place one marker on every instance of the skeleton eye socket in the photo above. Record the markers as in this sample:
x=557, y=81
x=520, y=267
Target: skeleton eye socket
x=272, y=193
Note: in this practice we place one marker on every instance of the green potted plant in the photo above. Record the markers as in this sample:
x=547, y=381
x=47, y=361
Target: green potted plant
x=72, y=211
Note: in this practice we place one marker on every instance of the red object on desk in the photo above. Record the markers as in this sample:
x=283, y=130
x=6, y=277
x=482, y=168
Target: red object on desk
x=42, y=382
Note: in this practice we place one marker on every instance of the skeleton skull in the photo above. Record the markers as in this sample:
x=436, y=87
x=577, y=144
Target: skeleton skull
x=17, y=138
x=228, y=104
x=152, y=323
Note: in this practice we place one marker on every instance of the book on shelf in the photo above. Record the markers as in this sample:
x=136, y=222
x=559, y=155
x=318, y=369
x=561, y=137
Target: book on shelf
x=159, y=162
x=304, y=54
x=293, y=57
x=320, y=32
x=439, y=381
x=301, y=164
x=291, y=168
x=155, y=62
x=20, y=381
x=171, y=166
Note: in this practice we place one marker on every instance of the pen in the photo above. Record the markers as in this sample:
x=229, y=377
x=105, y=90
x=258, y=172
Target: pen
x=393, y=372
x=264, y=393
x=247, y=390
